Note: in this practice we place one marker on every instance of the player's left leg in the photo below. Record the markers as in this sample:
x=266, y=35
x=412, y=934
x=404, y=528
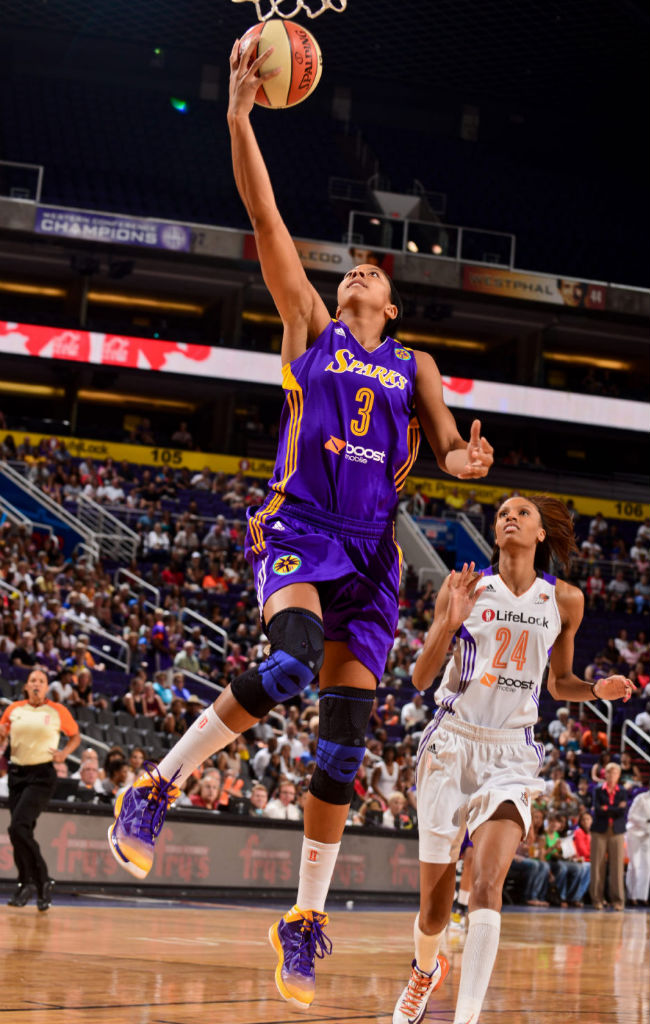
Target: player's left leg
x=495, y=843
x=347, y=689
x=428, y=968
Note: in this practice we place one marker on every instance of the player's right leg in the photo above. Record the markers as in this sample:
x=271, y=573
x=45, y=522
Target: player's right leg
x=429, y=967
x=296, y=652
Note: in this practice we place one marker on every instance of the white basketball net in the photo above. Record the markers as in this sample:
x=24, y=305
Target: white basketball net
x=289, y=8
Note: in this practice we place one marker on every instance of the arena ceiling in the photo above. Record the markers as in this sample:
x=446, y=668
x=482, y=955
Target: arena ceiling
x=579, y=52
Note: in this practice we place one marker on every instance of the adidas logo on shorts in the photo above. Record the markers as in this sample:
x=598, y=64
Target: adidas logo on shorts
x=277, y=525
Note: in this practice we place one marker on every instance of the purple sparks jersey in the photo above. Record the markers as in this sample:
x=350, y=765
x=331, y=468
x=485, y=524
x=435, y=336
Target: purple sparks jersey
x=348, y=433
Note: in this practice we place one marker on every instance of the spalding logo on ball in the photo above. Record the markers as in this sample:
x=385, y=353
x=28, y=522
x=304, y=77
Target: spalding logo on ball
x=295, y=51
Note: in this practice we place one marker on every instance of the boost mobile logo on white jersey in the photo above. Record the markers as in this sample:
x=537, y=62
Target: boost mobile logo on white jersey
x=489, y=615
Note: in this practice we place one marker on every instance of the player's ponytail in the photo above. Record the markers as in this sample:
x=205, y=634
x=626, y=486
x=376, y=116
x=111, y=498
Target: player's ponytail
x=559, y=543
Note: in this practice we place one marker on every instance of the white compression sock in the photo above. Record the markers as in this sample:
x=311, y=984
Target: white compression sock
x=426, y=947
x=316, y=869
x=205, y=737
x=463, y=897
x=480, y=952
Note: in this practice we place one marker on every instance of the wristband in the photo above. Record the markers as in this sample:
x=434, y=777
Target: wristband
x=593, y=689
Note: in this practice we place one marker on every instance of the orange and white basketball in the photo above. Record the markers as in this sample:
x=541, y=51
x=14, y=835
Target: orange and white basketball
x=295, y=51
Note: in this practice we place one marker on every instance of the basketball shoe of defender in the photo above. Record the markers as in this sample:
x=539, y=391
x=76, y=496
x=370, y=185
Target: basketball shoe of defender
x=298, y=938
x=139, y=816
x=411, y=1005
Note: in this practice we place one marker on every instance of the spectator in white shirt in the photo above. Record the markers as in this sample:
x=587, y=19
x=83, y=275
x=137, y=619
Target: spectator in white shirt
x=617, y=590
x=186, y=660
x=291, y=740
x=110, y=492
x=262, y=758
x=559, y=724
x=590, y=548
x=413, y=714
x=643, y=533
x=284, y=807
x=643, y=719
x=598, y=525
x=157, y=540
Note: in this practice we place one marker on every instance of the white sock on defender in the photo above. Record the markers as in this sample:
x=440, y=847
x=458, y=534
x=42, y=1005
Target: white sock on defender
x=205, y=737
x=317, y=862
x=426, y=947
x=481, y=945
x=463, y=897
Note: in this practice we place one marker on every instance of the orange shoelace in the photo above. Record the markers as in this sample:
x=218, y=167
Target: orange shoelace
x=417, y=987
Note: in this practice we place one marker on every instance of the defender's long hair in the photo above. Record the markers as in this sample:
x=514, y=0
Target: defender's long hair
x=559, y=543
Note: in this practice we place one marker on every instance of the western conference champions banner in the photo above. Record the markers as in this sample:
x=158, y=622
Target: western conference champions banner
x=560, y=291
x=101, y=227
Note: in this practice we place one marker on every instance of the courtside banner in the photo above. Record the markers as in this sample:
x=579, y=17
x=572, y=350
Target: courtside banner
x=99, y=227
x=514, y=284
x=212, y=852
x=265, y=368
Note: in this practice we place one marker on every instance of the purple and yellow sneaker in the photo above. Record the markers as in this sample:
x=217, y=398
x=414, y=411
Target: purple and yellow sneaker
x=139, y=816
x=298, y=938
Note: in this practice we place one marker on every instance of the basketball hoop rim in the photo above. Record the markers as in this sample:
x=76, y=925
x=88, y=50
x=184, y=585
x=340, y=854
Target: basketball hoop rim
x=275, y=9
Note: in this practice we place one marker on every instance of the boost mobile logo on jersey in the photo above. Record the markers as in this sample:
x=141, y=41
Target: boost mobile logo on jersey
x=489, y=615
x=487, y=679
x=353, y=452
x=507, y=683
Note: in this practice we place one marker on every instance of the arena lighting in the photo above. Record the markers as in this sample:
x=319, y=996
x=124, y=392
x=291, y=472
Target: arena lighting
x=122, y=299
x=442, y=341
x=261, y=318
x=412, y=246
x=21, y=288
x=12, y=387
x=178, y=104
x=142, y=401
x=600, y=361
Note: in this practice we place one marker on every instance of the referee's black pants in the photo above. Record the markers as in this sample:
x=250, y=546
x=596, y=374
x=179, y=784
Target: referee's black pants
x=30, y=789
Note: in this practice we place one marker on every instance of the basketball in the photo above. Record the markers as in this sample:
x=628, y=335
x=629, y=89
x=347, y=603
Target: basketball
x=295, y=51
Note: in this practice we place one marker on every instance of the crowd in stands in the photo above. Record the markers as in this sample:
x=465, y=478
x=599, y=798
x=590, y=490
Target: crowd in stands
x=52, y=605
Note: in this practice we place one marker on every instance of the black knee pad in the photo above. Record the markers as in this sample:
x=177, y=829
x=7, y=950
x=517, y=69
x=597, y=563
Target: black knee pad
x=296, y=639
x=343, y=714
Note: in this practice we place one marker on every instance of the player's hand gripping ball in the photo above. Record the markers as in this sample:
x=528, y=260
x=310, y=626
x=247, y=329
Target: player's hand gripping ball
x=295, y=52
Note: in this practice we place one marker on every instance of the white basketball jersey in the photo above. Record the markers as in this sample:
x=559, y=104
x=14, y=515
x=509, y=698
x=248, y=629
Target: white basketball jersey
x=495, y=674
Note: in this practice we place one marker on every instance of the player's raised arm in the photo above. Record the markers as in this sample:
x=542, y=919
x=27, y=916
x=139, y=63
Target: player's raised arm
x=458, y=595
x=465, y=460
x=563, y=684
x=304, y=314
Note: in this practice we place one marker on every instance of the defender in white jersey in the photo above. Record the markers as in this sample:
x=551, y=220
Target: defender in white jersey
x=477, y=763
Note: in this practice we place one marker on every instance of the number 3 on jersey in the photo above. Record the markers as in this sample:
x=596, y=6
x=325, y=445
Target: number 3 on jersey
x=367, y=398
x=518, y=653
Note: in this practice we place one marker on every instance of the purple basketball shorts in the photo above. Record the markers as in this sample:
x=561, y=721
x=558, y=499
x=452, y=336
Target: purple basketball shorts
x=354, y=565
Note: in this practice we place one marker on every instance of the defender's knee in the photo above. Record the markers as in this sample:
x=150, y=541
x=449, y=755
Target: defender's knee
x=296, y=641
x=343, y=714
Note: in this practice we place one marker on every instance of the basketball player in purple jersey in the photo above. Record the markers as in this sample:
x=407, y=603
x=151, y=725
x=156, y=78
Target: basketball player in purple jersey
x=477, y=762
x=322, y=545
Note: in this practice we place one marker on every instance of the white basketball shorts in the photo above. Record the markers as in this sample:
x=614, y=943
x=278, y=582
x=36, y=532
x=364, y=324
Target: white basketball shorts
x=464, y=772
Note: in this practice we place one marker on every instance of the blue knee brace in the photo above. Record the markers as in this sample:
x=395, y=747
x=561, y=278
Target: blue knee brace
x=296, y=640
x=343, y=714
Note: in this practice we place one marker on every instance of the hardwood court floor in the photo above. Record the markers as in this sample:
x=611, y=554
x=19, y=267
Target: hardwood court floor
x=181, y=964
